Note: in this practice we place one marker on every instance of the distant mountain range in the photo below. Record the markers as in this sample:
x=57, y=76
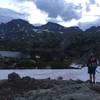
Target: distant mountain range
x=19, y=35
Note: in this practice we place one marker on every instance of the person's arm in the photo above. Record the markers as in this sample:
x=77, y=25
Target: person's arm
x=97, y=62
x=88, y=63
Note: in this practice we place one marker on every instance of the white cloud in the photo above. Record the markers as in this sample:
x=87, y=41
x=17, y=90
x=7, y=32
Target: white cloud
x=34, y=14
x=69, y=23
x=9, y=5
x=28, y=8
x=83, y=11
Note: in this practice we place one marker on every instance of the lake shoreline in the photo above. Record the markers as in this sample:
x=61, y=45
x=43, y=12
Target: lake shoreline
x=21, y=68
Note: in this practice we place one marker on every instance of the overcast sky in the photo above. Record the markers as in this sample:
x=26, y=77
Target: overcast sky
x=82, y=13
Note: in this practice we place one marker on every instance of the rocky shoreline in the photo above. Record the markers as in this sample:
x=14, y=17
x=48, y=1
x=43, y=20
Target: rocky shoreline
x=26, y=88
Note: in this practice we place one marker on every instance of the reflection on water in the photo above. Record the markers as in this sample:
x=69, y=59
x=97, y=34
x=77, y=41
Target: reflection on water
x=54, y=74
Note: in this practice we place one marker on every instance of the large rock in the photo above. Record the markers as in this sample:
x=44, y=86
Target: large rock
x=26, y=79
x=28, y=83
x=13, y=77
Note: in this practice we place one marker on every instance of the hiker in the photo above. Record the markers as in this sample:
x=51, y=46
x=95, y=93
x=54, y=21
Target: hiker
x=92, y=65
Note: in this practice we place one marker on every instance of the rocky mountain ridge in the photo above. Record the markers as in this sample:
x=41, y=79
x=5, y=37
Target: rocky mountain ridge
x=19, y=35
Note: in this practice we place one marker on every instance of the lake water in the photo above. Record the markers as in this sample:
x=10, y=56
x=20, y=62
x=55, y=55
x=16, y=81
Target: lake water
x=54, y=74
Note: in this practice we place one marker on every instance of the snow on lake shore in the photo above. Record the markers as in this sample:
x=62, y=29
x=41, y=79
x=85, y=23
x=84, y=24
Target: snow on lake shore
x=53, y=74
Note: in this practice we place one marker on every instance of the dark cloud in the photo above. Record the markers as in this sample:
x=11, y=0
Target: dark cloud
x=87, y=7
x=7, y=15
x=88, y=4
x=92, y=1
x=54, y=8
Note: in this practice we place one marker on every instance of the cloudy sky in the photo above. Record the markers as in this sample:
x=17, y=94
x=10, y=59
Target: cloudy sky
x=82, y=13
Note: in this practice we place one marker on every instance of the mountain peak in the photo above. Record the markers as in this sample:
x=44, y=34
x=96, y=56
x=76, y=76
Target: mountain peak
x=18, y=21
x=51, y=23
x=53, y=27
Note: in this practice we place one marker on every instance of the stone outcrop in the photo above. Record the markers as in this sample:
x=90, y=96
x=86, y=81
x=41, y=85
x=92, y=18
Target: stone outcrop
x=27, y=88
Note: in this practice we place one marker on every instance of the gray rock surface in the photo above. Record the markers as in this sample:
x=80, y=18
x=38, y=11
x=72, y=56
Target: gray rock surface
x=26, y=88
x=62, y=90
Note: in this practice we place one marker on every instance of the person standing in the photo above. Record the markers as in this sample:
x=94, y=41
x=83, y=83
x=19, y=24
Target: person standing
x=92, y=65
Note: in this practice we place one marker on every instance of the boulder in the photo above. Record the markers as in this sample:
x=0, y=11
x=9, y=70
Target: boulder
x=60, y=78
x=79, y=81
x=13, y=77
x=26, y=79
